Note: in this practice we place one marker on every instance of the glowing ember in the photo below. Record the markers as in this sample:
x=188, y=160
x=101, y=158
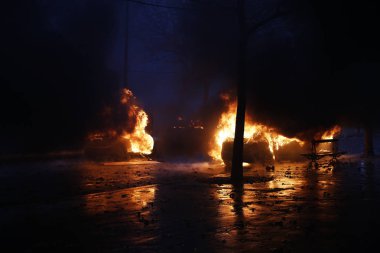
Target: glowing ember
x=141, y=141
x=253, y=132
x=331, y=133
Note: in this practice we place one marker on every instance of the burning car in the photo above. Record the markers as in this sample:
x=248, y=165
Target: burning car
x=253, y=152
x=261, y=142
x=103, y=147
x=130, y=140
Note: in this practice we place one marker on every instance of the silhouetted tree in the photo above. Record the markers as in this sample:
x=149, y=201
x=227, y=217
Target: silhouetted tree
x=245, y=30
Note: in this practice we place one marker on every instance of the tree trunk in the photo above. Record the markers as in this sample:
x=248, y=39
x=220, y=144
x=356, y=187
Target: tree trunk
x=238, y=149
x=368, y=141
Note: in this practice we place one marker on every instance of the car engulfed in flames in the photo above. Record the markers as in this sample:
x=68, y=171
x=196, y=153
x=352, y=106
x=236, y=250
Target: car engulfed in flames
x=130, y=141
x=261, y=143
x=254, y=152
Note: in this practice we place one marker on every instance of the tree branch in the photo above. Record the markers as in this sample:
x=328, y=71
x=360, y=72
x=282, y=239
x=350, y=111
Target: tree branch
x=261, y=23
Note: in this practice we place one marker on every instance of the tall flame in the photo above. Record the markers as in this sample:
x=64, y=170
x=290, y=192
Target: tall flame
x=253, y=132
x=141, y=141
x=331, y=133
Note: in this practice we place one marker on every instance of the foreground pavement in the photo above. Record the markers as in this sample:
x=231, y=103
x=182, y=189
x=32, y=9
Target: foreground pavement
x=76, y=205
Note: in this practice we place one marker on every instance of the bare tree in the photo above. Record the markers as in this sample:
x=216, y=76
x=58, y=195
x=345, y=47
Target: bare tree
x=245, y=30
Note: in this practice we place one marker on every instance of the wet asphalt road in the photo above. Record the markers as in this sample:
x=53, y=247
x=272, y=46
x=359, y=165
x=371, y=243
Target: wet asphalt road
x=77, y=205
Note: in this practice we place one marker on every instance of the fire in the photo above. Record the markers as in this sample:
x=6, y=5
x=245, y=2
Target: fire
x=253, y=132
x=140, y=140
x=331, y=133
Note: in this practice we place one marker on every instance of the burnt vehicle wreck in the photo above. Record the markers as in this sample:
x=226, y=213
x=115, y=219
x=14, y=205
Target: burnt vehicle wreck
x=102, y=147
x=254, y=152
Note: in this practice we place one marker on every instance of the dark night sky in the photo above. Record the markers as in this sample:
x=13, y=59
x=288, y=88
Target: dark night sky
x=62, y=61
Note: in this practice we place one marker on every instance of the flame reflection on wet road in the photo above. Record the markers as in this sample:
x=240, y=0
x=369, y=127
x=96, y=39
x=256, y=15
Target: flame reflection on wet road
x=173, y=207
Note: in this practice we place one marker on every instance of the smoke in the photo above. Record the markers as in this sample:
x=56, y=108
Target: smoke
x=54, y=79
x=62, y=63
x=305, y=72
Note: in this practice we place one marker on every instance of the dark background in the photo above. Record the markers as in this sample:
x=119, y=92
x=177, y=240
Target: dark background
x=62, y=62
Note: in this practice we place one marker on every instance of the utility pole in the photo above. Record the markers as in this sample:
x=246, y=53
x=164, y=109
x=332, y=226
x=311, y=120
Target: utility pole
x=238, y=147
x=126, y=40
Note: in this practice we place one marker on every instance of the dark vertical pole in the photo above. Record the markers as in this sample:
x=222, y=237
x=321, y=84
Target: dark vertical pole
x=368, y=141
x=125, y=72
x=237, y=157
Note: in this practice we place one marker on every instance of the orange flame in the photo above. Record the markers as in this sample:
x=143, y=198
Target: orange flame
x=253, y=132
x=331, y=133
x=141, y=141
